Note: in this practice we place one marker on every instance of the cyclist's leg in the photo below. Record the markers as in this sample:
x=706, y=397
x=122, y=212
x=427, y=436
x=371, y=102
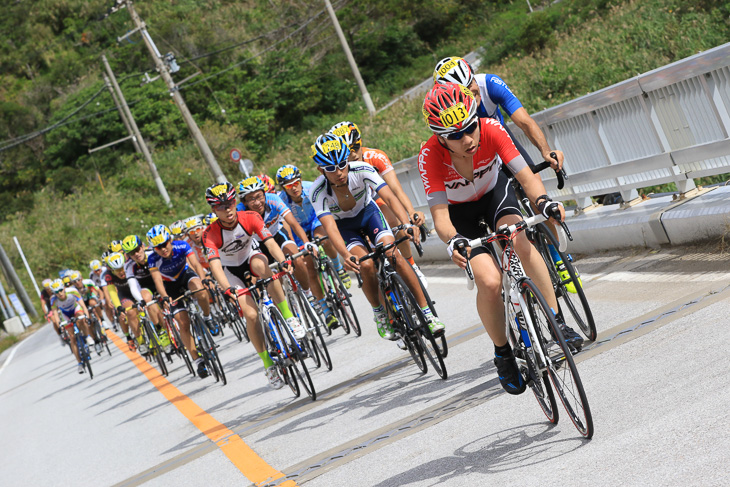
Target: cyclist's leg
x=153, y=310
x=132, y=319
x=404, y=247
x=194, y=284
x=183, y=319
x=300, y=266
x=488, y=281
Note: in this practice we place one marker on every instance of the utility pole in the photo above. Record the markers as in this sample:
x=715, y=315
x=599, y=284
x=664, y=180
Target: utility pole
x=121, y=113
x=164, y=71
x=351, y=59
x=13, y=279
x=137, y=134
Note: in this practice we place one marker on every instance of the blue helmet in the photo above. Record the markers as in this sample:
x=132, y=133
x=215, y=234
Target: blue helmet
x=158, y=235
x=287, y=174
x=330, y=149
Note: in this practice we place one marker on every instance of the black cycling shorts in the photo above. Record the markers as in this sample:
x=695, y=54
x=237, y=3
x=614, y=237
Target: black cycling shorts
x=497, y=203
x=177, y=288
x=280, y=238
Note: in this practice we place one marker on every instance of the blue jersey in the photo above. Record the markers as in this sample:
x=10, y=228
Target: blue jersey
x=495, y=93
x=303, y=213
x=274, y=212
x=172, y=267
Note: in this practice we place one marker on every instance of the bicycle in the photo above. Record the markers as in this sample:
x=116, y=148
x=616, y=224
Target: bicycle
x=81, y=346
x=152, y=339
x=204, y=342
x=284, y=349
x=580, y=315
x=173, y=332
x=98, y=333
x=302, y=308
x=403, y=311
x=335, y=292
x=533, y=332
x=228, y=312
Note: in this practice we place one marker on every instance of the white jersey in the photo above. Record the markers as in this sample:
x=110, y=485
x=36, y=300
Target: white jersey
x=99, y=279
x=362, y=179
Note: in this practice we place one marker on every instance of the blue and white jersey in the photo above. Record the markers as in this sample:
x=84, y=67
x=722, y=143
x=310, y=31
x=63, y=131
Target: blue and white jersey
x=495, y=93
x=362, y=179
x=303, y=213
x=172, y=267
x=274, y=212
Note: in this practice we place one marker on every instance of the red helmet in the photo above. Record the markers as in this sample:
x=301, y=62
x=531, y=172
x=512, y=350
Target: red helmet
x=220, y=193
x=448, y=108
x=269, y=185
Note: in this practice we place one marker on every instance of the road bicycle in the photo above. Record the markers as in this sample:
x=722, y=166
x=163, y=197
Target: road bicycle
x=81, y=345
x=153, y=340
x=403, y=311
x=335, y=293
x=206, y=346
x=173, y=332
x=98, y=333
x=538, y=343
x=228, y=312
x=285, y=350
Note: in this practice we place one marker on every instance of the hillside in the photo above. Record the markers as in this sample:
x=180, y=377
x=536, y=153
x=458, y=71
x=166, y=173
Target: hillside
x=277, y=100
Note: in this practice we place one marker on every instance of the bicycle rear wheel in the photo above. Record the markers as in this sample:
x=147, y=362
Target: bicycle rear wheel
x=526, y=352
x=560, y=364
x=211, y=351
x=418, y=326
x=580, y=315
x=396, y=316
x=83, y=349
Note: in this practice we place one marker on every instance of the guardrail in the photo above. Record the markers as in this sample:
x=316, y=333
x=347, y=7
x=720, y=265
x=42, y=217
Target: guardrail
x=668, y=125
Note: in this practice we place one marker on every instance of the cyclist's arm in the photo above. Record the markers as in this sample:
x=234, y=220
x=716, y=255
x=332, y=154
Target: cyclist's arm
x=113, y=295
x=330, y=227
x=390, y=199
x=446, y=230
x=135, y=289
x=296, y=227
x=193, y=261
x=217, y=270
x=83, y=305
x=395, y=186
x=159, y=284
x=275, y=250
x=532, y=184
x=533, y=132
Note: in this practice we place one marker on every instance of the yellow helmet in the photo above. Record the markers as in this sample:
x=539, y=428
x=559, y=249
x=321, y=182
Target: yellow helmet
x=74, y=275
x=115, y=246
x=94, y=265
x=115, y=261
x=57, y=286
x=47, y=283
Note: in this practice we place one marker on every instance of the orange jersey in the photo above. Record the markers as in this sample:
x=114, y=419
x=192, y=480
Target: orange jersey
x=378, y=159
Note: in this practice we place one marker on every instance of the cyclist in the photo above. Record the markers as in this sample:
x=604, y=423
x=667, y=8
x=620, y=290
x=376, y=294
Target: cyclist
x=229, y=244
x=296, y=196
x=175, y=269
x=491, y=93
x=275, y=214
x=193, y=227
x=209, y=218
x=46, y=295
x=121, y=298
x=381, y=162
x=98, y=277
x=459, y=167
x=139, y=278
x=177, y=229
x=69, y=303
x=342, y=201
x=89, y=292
x=269, y=185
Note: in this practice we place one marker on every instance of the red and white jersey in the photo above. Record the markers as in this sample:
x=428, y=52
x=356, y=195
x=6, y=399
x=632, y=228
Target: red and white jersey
x=444, y=185
x=234, y=246
x=378, y=159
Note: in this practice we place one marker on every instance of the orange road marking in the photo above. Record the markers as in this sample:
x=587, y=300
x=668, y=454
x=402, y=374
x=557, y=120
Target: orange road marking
x=252, y=466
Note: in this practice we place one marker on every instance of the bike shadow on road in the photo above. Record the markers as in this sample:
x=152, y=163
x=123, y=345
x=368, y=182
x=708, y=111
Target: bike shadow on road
x=502, y=451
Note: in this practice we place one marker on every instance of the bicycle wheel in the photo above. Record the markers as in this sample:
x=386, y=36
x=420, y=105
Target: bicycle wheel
x=211, y=352
x=580, y=315
x=273, y=336
x=318, y=341
x=560, y=364
x=178, y=348
x=418, y=325
x=344, y=305
x=397, y=317
x=155, y=349
x=293, y=354
x=83, y=349
x=527, y=354
x=99, y=332
x=239, y=321
x=227, y=315
x=297, y=307
x=327, y=286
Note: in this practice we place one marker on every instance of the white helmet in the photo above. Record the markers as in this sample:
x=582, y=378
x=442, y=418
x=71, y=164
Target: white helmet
x=453, y=70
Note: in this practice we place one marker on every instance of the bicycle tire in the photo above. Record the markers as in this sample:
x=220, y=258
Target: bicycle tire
x=84, y=354
x=400, y=325
x=344, y=304
x=319, y=342
x=227, y=315
x=296, y=365
x=178, y=346
x=155, y=348
x=584, y=322
x=102, y=336
x=326, y=286
x=561, y=367
x=273, y=333
x=211, y=353
x=297, y=306
x=537, y=379
x=416, y=322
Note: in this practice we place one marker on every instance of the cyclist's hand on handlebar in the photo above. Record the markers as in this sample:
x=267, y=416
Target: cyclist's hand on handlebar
x=231, y=293
x=310, y=247
x=555, y=158
x=414, y=233
x=285, y=265
x=351, y=263
x=459, y=250
x=550, y=209
x=418, y=218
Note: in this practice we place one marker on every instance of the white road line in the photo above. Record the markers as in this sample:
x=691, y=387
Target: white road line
x=619, y=277
x=12, y=352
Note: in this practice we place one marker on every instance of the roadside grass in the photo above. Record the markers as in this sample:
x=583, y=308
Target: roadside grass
x=7, y=342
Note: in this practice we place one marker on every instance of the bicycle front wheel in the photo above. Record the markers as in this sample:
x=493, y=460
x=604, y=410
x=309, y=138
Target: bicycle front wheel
x=294, y=355
x=155, y=348
x=343, y=304
x=559, y=362
x=580, y=315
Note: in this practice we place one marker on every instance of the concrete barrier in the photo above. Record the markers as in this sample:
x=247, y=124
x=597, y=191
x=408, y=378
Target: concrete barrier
x=14, y=326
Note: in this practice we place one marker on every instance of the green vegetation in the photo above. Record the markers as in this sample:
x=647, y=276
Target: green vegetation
x=275, y=104
x=7, y=342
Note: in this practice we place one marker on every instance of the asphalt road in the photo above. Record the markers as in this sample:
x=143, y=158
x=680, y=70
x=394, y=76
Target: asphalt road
x=657, y=381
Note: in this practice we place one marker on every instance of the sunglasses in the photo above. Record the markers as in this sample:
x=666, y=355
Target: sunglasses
x=334, y=167
x=291, y=184
x=468, y=130
x=356, y=146
x=224, y=206
x=162, y=245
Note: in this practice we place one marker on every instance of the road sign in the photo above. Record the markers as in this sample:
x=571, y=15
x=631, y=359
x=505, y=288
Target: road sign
x=235, y=155
x=246, y=166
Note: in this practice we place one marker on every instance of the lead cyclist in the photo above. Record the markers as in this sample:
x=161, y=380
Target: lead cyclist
x=460, y=170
